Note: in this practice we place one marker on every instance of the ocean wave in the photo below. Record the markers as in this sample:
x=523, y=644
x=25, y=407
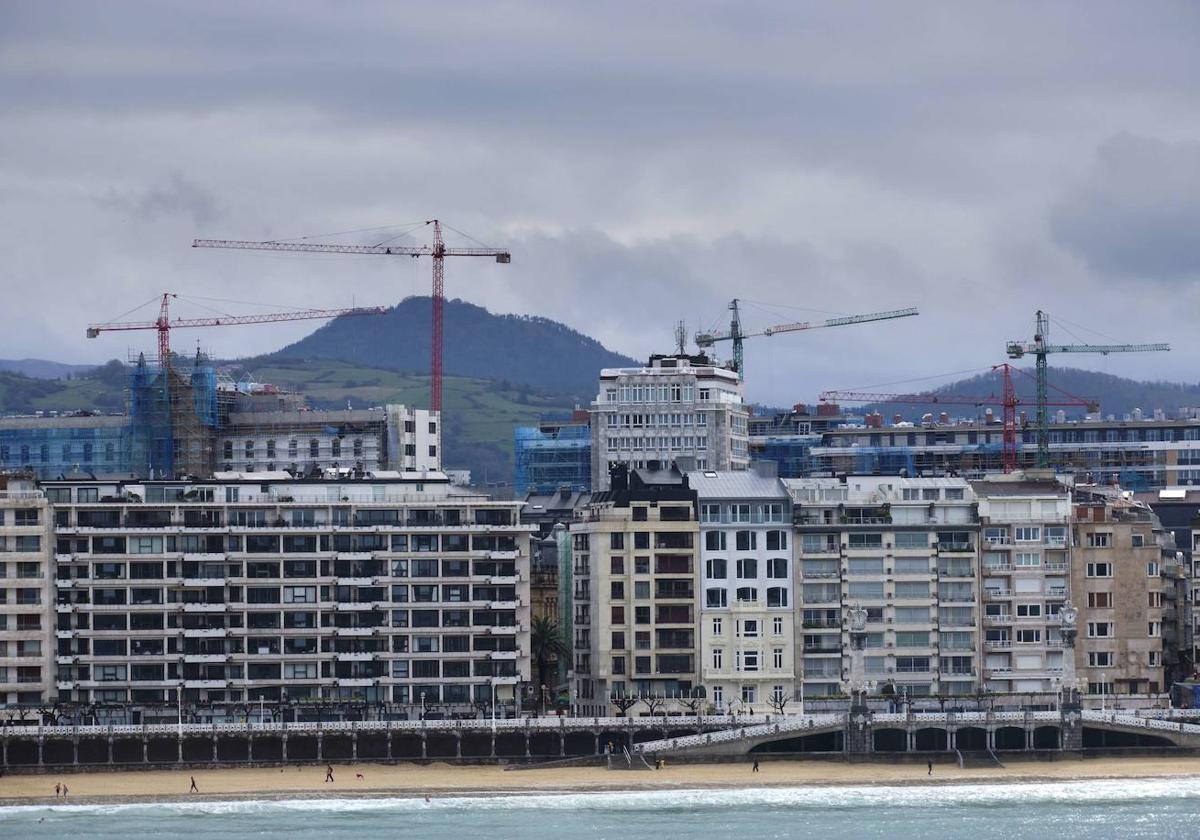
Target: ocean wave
x=1111, y=791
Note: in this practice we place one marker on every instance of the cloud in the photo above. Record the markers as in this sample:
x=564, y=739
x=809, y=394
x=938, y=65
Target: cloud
x=1137, y=212
x=176, y=197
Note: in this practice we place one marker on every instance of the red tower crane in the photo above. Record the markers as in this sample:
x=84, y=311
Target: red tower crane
x=1008, y=400
x=164, y=324
x=438, y=251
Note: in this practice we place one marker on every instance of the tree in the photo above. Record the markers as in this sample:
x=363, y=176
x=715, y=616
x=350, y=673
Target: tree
x=546, y=643
x=624, y=702
x=694, y=700
x=778, y=701
x=654, y=703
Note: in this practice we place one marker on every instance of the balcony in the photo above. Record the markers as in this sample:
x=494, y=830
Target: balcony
x=1057, y=591
x=955, y=547
x=999, y=568
x=357, y=656
x=1004, y=618
x=998, y=644
x=201, y=658
x=996, y=592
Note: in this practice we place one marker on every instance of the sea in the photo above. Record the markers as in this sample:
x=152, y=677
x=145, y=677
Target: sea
x=1150, y=808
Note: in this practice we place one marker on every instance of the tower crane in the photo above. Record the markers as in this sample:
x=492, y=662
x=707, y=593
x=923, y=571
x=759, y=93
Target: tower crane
x=1008, y=400
x=163, y=324
x=1039, y=348
x=736, y=335
x=438, y=251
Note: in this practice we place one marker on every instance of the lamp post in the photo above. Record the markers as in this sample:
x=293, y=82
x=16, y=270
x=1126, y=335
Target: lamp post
x=422, y=705
x=179, y=707
x=493, y=707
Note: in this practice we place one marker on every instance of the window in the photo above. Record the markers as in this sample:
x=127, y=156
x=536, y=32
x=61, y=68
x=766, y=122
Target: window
x=1154, y=629
x=777, y=541
x=717, y=625
x=715, y=569
x=777, y=568
x=747, y=568
x=641, y=589
x=748, y=694
x=1028, y=559
x=1139, y=540
x=1028, y=534
x=777, y=626
x=616, y=541
x=746, y=540
x=748, y=594
x=1029, y=610
x=1100, y=659
x=1100, y=629
x=618, y=615
x=750, y=628
x=749, y=660
x=1098, y=539
x=617, y=590
x=716, y=597
x=955, y=494
x=714, y=540
x=617, y=565
x=718, y=658
x=1029, y=637
x=777, y=596
x=1099, y=570
x=912, y=539
x=1099, y=600
x=1152, y=569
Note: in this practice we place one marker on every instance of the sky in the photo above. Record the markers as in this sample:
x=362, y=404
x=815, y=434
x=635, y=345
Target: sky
x=644, y=163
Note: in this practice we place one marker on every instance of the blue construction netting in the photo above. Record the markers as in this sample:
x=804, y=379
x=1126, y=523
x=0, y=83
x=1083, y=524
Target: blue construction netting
x=51, y=447
x=547, y=459
x=791, y=454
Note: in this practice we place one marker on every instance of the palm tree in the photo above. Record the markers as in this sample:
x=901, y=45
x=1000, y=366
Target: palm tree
x=547, y=643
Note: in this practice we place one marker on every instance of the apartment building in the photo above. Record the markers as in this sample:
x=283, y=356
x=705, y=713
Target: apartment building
x=390, y=588
x=1025, y=520
x=634, y=573
x=26, y=592
x=904, y=549
x=1178, y=509
x=1117, y=586
x=674, y=407
x=395, y=437
x=748, y=605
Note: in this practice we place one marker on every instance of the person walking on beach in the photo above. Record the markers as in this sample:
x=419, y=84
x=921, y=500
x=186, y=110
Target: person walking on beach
x=193, y=788
x=57, y=790
x=329, y=772
x=755, y=768
x=64, y=791
x=930, y=773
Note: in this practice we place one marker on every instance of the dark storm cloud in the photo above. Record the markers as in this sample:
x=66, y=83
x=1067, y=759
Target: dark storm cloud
x=1137, y=214
x=645, y=162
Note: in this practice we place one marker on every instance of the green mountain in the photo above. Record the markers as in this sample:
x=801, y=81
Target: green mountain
x=1116, y=395
x=518, y=349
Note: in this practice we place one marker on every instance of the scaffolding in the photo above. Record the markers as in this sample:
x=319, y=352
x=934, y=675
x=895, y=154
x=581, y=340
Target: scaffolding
x=173, y=418
x=790, y=454
x=549, y=457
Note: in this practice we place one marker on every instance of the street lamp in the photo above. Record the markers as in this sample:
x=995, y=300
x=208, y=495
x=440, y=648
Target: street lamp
x=422, y=715
x=493, y=706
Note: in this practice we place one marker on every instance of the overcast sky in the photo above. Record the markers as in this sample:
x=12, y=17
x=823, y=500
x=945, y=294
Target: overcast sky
x=645, y=163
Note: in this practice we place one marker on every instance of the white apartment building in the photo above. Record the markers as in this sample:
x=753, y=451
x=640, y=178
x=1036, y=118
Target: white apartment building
x=904, y=549
x=26, y=593
x=394, y=437
x=674, y=407
x=391, y=588
x=747, y=606
x=1025, y=520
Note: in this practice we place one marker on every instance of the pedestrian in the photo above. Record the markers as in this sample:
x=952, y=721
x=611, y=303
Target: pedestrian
x=193, y=788
x=329, y=772
x=57, y=790
x=755, y=769
x=64, y=791
x=930, y=773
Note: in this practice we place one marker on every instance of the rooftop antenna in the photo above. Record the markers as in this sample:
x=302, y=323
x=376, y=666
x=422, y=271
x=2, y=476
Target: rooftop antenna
x=681, y=338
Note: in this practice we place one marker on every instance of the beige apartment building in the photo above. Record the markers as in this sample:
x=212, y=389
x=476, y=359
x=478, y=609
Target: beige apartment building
x=1117, y=586
x=634, y=567
x=26, y=594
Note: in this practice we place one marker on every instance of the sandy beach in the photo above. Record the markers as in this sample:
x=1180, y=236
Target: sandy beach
x=445, y=780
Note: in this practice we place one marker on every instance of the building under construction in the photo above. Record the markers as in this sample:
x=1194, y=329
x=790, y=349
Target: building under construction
x=553, y=455
x=185, y=419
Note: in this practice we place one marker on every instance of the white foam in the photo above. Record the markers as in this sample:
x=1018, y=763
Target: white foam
x=817, y=798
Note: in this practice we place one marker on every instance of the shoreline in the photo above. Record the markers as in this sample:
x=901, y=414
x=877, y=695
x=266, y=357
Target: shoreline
x=441, y=781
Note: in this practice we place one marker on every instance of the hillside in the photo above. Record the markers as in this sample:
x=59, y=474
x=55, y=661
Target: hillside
x=42, y=368
x=534, y=352
x=1117, y=396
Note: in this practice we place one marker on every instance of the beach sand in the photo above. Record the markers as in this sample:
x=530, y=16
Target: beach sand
x=408, y=780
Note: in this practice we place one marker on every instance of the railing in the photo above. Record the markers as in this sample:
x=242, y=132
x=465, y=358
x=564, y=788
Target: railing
x=795, y=723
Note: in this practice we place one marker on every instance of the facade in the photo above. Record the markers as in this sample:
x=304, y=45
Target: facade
x=26, y=594
x=674, y=407
x=1026, y=569
x=1117, y=585
x=390, y=588
x=904, y=550
x=747, y=603
x=634, y=571
x=1178, y=508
